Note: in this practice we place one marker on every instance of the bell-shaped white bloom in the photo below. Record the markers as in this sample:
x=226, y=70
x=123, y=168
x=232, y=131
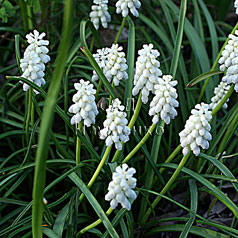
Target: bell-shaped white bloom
x=231, y=76
x=196, y=132
x=84, y=106
x=120, y=189
x=220, y=91
x=112, y=61
x=236, y=6
x=34, y=60
x=147, y=72
x=230, y=52
x=115, y=126
x=164, y=101
x=100, y=13
x=124, y=6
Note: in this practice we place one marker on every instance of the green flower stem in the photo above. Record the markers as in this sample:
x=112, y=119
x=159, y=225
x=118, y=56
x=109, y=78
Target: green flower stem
x=96, y=173
x=78, y=144
x=29, y=112
x=108, y=212
x=98, y=89
x=167, y=186
x=215, y=64
x=171, y=157
x=139, y=145
x=131, y=124
x=121, y=29
x=110, y=97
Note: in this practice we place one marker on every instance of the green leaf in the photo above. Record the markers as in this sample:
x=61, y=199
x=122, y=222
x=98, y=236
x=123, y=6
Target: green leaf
x=217, y=192
x=201, y=77
x=60, y=221
x=96, y=206
x=10, y=10
x=202, y=232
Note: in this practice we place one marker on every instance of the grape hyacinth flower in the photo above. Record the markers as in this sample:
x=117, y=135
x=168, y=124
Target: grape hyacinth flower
x=147, y=72
x=84, y=106
x=236, y=6
x=120, y=189
x=34, y=60
x=220, y=91
x=164, y=101
x=230, y=52
x=196, y=132
x=124, y=6
x=112, y=61
x=115, y=126
x=100, y=13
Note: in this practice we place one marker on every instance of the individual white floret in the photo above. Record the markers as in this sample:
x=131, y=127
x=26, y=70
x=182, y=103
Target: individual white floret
x=34, y=60
x=100, y=13
x=164, y=101
x=115, y=126
x=120, y=189
x=231, y=76
x=84, y=106
x=230, y=52
x=112, y=61
x=236, y=6
x=196, y=132
x=124, y=6
x=147, y=72
x=220, y=91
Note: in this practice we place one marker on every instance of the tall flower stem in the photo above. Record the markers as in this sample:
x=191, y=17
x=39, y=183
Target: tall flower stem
x=167, y=186
x=108, y=212
x=96, y=173
x=29, y=113
x=78, y=143
x=131, y=124
x=120, y=31
x=140, y=144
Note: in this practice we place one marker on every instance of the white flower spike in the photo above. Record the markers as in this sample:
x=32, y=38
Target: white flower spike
x=220, y=91
x=100, y=13
x=124, y=6
x=236, y=6
x=164, y=101
x=120, y=189
x=84, y=106
x=147, y=72
x=115, y=126
x=230, y=52
x=196, y=132
x=112, y=61
x=34, y=60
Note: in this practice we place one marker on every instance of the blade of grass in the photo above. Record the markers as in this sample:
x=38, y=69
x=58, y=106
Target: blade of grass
x=47, y=120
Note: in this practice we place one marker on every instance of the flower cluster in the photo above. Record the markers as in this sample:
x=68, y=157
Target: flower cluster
x=147, y=72
x=164, y=101
x=34, y=60
x=230, y=52
x=124, y=6
x=120, y=189
x=196, y=132
x=236, y=6
x=113, y=63
x=84, y=106
x=115, y=126
x=100, y=13
x=220, y=91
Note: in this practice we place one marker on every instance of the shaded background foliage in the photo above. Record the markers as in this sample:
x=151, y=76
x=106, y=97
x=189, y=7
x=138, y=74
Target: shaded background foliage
x=209, y=23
